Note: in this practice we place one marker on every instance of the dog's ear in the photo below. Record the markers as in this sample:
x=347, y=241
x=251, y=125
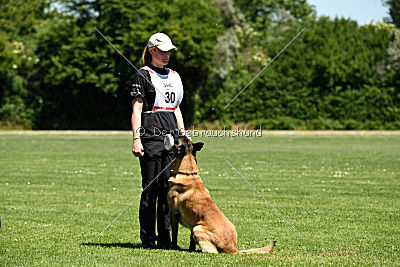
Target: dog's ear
x=197, y=146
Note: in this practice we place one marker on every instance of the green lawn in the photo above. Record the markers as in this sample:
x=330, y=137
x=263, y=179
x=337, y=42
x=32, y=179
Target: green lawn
x=342, y=192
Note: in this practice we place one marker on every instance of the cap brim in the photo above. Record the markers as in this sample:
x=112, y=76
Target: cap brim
x=166, y=47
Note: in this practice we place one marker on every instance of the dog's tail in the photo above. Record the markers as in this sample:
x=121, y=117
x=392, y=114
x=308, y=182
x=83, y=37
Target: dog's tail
x=262, y=250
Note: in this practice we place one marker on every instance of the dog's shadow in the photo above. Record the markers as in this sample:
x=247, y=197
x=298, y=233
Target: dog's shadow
x=129, y=245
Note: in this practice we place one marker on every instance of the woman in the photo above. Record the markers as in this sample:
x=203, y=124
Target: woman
x=156, y=94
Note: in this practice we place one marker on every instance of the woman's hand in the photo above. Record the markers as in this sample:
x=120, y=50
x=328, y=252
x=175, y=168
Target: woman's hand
x=137, y=148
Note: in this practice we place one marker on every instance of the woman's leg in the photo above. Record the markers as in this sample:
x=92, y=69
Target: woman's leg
x=163, y=219
x=147, y=210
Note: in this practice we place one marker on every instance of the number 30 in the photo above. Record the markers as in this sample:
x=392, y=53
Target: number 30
x=170, y=97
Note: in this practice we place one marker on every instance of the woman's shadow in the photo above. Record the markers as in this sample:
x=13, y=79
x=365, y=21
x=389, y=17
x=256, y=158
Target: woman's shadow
x=128, y=245
x=120, y=245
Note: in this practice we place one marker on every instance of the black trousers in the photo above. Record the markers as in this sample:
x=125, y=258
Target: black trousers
x=155, y=195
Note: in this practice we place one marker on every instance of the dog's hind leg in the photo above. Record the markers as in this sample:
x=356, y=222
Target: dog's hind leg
x=203, y=239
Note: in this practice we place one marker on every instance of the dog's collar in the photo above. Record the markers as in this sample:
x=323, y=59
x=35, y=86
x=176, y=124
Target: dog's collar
x=195, y=173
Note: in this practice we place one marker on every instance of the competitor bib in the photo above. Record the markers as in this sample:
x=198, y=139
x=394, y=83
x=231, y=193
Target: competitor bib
x=169, y=90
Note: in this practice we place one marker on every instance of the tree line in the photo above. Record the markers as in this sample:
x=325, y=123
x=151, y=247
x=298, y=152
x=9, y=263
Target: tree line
x=58, y=72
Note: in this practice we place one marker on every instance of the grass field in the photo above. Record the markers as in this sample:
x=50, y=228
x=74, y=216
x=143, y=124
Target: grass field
x=58, y=190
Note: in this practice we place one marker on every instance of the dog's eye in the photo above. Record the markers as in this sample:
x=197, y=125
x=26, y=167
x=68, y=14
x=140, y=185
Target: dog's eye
x=181, y=149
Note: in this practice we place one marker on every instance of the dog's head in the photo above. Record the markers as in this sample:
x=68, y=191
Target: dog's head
x=185, y=156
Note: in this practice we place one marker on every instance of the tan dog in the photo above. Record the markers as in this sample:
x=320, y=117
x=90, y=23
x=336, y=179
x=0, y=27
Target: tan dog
x=191, y=205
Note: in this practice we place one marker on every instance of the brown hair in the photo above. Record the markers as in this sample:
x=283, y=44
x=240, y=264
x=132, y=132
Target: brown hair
x=146, y=57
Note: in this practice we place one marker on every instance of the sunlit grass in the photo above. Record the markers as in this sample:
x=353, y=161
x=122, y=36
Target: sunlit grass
x=58, y=191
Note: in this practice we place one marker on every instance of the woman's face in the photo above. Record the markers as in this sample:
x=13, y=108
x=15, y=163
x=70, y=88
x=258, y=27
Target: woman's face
x=159, y=57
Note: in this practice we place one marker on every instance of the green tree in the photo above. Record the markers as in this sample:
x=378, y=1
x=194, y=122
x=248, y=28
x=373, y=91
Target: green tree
x=394, y=11
x=261, y=13
x=393, y=51
x=328, y=78
x=251, y=27
x=83, y=81
x=20, y=22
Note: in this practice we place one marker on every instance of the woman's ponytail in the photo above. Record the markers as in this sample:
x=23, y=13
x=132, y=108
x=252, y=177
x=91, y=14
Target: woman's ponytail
x=146, y=57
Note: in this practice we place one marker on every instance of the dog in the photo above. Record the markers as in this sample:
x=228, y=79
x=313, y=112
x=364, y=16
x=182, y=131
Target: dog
x=191, y=205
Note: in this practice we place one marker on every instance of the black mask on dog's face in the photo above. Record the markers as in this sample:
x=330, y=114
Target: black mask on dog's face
x=184, y=145
x=181, y=149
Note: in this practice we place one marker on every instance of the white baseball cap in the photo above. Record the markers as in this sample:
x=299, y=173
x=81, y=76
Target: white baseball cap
x=161, y=41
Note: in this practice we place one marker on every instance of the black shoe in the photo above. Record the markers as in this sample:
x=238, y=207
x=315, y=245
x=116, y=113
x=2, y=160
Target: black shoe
x=148, y=245
x=164, y=245
x=176, y=248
